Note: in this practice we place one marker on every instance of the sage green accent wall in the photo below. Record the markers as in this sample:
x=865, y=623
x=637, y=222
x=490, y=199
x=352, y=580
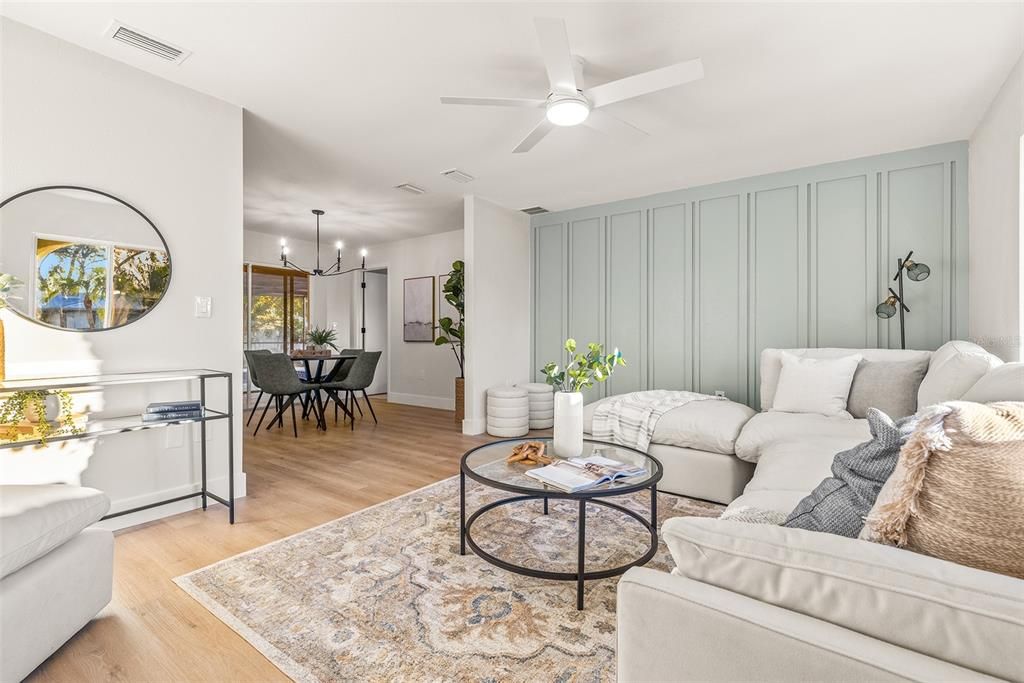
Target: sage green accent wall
x=690, y=285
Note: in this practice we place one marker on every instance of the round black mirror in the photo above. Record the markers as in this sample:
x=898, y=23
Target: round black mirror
x=81, y=259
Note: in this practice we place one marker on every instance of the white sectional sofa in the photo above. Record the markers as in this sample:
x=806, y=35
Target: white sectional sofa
x=764, y=602
x=56, y=573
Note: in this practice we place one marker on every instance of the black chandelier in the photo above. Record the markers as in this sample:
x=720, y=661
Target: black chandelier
x=335, y=269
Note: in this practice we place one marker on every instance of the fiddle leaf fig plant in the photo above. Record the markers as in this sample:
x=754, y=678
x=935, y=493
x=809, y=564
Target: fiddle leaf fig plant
x=14, y=410
x=321, y=336
x=582, y=370
x=453, y=331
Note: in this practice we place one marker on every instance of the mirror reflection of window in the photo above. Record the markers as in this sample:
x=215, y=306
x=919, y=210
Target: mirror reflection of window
x=76, y=287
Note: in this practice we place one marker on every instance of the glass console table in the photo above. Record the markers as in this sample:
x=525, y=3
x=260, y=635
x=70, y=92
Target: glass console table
x=108, y=426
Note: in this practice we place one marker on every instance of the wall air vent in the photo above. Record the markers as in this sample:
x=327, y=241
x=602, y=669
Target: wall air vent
x=147, y=43
x=534, y=210
x=457, y=175
x=410, y=188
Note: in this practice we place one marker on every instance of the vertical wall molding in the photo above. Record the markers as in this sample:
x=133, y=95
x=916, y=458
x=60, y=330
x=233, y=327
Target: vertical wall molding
x=693, y=284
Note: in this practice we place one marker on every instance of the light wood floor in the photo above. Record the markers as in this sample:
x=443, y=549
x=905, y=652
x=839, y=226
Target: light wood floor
x=153, y=631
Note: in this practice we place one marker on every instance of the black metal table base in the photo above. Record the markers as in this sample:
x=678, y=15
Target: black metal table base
x=580, y=575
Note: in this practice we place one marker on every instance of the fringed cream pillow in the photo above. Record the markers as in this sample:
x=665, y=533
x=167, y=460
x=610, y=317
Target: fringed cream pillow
x=957, y=492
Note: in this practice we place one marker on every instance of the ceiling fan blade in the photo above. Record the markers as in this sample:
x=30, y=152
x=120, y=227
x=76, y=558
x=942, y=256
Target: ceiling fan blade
x=606, y=123
x=495, y=101
x=554, y=47
x=535, y=136
x=647, y=82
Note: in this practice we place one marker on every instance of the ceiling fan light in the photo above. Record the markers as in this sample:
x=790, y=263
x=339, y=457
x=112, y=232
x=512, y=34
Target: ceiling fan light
x=569, y=112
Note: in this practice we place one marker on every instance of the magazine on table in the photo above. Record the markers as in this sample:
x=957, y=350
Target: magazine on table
x=579, y=474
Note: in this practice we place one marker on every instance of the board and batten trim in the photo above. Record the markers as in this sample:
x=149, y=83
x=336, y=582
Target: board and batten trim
x=677, y=278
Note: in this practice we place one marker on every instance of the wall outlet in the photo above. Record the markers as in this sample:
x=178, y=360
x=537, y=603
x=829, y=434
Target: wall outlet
x=719, y=392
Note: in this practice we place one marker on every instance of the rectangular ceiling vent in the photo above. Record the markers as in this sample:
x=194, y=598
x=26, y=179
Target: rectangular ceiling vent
x=410, y=188
x=534, y=210
x=457, y=175
x=147, y=43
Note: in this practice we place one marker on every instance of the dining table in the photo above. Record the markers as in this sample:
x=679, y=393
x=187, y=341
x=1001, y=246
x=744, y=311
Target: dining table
x=319, y=377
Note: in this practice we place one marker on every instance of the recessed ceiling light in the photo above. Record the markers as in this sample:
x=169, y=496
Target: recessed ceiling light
x=410, y=188
x=457, y=175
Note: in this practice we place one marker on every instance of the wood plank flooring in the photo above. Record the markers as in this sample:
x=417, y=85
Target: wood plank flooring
x=153, y=631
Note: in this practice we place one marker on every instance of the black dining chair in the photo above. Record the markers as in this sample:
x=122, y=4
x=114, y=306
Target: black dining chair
x=253, y=379
x=278, y=379
x=359, y=377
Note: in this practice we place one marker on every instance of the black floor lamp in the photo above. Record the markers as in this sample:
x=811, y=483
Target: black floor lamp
x=894, y=302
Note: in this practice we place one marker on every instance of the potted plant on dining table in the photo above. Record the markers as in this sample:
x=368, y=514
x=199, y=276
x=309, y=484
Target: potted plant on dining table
x=581, y=371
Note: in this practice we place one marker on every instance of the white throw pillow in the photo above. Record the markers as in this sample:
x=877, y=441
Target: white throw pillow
x=1003, y=383
x=815, y=385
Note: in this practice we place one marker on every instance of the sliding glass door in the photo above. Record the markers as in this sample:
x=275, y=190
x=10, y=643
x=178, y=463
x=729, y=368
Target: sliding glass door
x=276, y=304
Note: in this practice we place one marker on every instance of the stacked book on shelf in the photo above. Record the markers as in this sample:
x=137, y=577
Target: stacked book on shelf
x=172, y=411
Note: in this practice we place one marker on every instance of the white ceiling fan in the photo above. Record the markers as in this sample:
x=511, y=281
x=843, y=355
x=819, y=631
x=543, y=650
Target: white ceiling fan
x=568, y=104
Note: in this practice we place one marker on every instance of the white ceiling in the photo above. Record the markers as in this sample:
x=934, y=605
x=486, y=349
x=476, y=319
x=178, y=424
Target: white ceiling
x=342, y=99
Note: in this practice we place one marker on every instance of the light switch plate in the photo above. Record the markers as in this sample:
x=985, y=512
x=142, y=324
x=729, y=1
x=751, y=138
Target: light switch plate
x=204, y=307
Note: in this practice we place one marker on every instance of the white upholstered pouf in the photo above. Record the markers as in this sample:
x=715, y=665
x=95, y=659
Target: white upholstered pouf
x=508, y=411
x=542, y=404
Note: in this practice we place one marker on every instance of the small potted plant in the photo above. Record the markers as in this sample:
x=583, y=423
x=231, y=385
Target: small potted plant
x=8, y=283
x=579, y=373
x=48, y=412
x=321, y=337
x=453, y=331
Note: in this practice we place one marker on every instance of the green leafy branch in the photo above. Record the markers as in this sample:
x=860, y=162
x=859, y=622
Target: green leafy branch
x=8, y=283
x=582, y=370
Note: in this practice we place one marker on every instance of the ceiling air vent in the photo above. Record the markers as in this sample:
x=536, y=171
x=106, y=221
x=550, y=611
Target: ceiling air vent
x=147, y=43
x=457, y=175
x=410, y=188
x=534, y=210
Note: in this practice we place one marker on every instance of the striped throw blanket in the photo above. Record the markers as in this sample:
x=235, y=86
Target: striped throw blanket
x=630, y=419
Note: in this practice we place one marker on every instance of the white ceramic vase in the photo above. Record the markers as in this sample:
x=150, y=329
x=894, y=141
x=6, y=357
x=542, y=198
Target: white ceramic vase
x=568, y=438
x=52, y=404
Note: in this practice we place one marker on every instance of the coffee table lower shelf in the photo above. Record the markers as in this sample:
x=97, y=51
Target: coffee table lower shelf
x=580, y=575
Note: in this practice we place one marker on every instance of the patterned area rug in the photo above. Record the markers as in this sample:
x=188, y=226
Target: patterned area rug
x=383, y=593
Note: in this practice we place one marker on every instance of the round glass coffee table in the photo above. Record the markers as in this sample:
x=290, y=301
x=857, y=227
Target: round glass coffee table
x=486, y=464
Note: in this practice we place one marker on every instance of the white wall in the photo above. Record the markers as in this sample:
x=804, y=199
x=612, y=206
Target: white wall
x=497, y=303
x=420, y=373
x=70, y=116
x=996, y=261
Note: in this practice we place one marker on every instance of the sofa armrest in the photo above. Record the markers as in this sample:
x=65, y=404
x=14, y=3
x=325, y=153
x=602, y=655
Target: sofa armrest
x=964, y=616
x=671, y=628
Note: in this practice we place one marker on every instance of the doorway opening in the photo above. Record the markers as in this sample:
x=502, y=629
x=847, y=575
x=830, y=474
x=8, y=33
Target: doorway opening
x=374, y=324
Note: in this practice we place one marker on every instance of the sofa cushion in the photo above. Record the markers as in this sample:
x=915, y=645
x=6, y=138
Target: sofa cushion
x=703, y=425
x=955, y=367
x=888, y=385
x=840, y=503
x=957, y=614
x=771, y=363
x=801, y=431
x=38, y=518
x=815, y=385
x=1002, y=383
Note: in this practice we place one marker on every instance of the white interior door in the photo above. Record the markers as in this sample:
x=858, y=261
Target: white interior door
x=377, y=327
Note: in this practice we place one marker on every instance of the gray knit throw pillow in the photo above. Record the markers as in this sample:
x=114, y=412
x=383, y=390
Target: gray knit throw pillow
x=839, y=504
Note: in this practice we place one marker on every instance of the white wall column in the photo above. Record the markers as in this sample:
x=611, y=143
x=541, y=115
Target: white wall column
x=497, y=248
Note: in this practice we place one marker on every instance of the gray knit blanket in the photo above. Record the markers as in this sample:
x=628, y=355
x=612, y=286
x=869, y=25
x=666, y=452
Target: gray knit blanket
x=630, y=419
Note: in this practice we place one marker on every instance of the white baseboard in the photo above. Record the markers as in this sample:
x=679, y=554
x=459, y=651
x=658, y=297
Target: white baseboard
x=218, y=486
x=439, y=402
x=474, y=426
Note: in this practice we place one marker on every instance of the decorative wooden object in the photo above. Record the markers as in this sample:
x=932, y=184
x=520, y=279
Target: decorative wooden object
x=529, y=453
